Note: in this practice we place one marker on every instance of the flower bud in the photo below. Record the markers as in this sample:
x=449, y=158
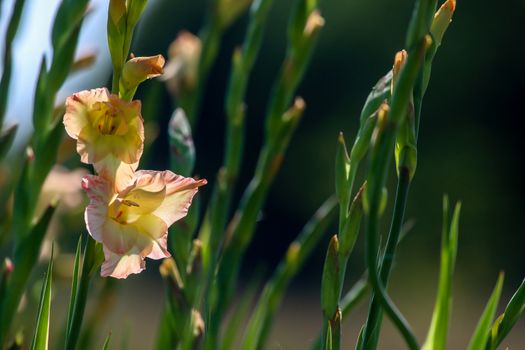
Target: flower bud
x=181, y=144
x=138, y=69
x=314, y=22
x=117, y=11
x=441, y=20
x=399, y=62
x=331, y=279
x=181, y=72
x=117, y=14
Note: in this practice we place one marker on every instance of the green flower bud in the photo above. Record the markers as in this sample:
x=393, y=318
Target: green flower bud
x=331, y=279
x=441, y=20
x=342, y=172
x=181, y=144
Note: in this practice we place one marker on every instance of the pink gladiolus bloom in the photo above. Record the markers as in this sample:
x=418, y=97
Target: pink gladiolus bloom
x=108, y=130
x=132, y=224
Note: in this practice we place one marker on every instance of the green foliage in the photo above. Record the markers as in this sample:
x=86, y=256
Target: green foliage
x=506, y=321
x=7, y=137
x=437, y=335
x=10, y=35
x=93, y=258
x=74, y=287
x=25, y=256
x=264, y=313
x=481, y=334
x=107, y=343
x=41, y=337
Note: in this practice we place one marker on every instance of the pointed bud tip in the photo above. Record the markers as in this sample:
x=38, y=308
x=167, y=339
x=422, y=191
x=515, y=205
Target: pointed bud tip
x=8, y=265
x=399, y=60
x=299, y=103
x=334, y=242
x=30, y=154
x=341, y=138
x=166, y=267
x=293, y=252
x=450, y=5
x=314, y=23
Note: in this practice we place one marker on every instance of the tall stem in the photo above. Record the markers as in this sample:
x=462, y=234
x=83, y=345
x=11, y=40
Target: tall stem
x=375, y=314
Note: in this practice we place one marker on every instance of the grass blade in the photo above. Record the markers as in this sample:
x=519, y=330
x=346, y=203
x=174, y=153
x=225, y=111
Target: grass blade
x=41, y=337
x=107, y=343
x=92, y=261
x=74, y=286
x=25, y=257
x=508, y=319
x=481, y=334
x=437, y=335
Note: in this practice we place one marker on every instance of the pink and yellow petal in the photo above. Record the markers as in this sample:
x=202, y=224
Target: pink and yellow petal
x=77, y=109
x=160, y=248
x=114, y=170
x=119, y=238
x=99, y=192
x=179, y=195
x=121, y=266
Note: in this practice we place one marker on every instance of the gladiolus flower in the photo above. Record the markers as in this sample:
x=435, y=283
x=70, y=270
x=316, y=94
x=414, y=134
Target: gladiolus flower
x=108, y=130
x=132, y=224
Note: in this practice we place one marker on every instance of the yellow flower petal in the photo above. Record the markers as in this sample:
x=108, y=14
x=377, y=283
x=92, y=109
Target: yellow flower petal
x=104, y=125
x=132, y=222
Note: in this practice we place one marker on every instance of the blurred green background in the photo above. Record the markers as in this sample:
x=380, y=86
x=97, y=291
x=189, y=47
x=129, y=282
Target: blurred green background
x=470, y=147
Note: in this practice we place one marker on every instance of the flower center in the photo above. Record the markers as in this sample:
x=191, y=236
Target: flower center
x=108, y=120
x=120, y=210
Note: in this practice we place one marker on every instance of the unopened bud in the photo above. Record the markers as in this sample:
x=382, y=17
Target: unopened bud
x=314, y=22
x=135, y=9
x=441, y=20
x=182, y=148
x=399, y=62
x=30, y=154
x=137, y=70
x=292, y=254
x=330, y=283
x=181, y=72
x=382, y=118
x=296, y=110
x=8, y=266
x=198, y=323
x=117, y=11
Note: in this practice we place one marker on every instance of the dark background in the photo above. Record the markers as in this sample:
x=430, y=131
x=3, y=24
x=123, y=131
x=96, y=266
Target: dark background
x=470, y=138
x=470, y=141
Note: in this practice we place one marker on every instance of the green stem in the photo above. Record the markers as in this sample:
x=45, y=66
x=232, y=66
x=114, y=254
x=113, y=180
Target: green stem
x=375, y=279
x=351, y=299
x=374, y=318
x=381, y=159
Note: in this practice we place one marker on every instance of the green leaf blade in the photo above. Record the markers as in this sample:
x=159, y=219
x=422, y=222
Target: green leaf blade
x=41, y=337
x=482, y=332
x=74, y=286
x=437, y=335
